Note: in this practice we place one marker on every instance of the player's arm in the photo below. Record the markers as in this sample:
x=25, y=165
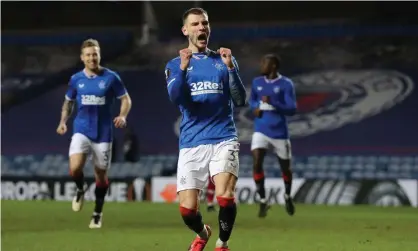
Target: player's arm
x=236, y=87
x=67, y=107
x=66, y=110
x=125, y=101
x=176, y=84
x=254, y=104
x=125, y=105
x=289, y=106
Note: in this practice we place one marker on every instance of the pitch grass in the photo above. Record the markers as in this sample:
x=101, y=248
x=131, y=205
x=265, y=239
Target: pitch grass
x=52, y=226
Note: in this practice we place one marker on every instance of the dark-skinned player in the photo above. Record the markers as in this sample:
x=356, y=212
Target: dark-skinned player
x=272, y=100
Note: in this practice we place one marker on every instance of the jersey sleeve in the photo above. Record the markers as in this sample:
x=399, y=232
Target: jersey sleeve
x=290, y=98
x=235, y=63
x=71, y=93
x=119, y=87
x=236, y=87
x=176, y=83
x=253, y=97
x=288, y=108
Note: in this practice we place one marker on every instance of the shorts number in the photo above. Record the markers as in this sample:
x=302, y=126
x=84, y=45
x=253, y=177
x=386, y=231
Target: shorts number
x=233, y=159
x=233, y=155
x=106, y=157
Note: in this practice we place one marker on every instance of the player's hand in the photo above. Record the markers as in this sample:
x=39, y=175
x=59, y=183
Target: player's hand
x=185, y=56
x=265, y=99
x=62, y=128
x=258, y=113
x=120, y=122
x=226, y=56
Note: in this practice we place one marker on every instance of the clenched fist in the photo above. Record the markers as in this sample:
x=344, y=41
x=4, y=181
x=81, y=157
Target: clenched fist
x=62, y=128
x=185, y=56
x=226, y=56
x=120, y=122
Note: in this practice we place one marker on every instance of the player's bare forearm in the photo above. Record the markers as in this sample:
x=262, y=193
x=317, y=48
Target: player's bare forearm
x=125, y=106
x=67, y=110
x=238, y=92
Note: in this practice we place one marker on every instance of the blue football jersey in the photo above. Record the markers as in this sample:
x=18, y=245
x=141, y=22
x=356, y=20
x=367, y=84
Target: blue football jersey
x=273, y=122
x=94, y=97
x=206, y=93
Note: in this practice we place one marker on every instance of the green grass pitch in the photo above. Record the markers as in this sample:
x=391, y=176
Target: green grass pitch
x=52, y=226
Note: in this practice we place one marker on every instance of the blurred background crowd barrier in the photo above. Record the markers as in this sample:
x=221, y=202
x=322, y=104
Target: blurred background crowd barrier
x=354, y=66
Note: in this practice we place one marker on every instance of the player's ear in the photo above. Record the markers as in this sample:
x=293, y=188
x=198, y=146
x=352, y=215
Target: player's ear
x=184, y=30
x=81, y=57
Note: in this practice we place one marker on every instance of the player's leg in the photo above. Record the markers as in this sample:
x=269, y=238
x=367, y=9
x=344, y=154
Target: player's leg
x=79, y=149
x=284, y=155
x=224, y=168
x=102, y=159
x=225, y=194
x=192, y=173
x=259, y=145
x=210, y=194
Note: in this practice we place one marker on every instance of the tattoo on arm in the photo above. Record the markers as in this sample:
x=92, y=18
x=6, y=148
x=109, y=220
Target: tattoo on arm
x=67, y=110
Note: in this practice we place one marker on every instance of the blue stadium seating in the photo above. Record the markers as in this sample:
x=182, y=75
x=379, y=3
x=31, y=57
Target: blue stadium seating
x=318, y=167
x=336, y=153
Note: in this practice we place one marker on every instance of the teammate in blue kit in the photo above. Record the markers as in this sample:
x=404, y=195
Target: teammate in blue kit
x=93, y=90
x=272, y=99
x=205, y=85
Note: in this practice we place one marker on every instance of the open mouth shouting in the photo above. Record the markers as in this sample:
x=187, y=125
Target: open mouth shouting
x=202, y=39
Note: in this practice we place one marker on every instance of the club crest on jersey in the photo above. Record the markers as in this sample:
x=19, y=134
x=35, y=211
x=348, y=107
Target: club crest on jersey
x=328, y=100
x=276, y=89
x=102, y=84
x=219, y=66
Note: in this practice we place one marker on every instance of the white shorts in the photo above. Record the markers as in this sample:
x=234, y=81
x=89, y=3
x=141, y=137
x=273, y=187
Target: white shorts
x=282, y=147
x=102, y=152
x=196, y=164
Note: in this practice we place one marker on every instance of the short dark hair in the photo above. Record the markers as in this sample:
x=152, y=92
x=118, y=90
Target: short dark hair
x=275, y=59
x=195, y=11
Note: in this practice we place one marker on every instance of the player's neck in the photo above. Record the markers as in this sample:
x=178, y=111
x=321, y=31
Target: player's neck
x=194, y=49
x=94, y=72
x=272, y=75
